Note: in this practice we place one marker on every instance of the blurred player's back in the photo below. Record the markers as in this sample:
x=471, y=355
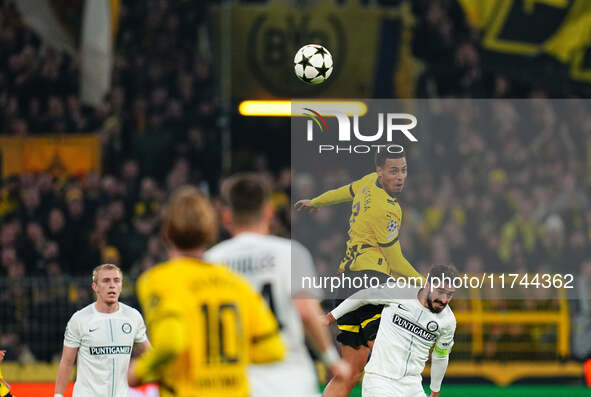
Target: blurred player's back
x=221, y=321
x=266, y=262
x=206, y=322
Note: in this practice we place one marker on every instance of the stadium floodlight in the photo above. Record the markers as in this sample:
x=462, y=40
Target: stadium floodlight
x=284, y=108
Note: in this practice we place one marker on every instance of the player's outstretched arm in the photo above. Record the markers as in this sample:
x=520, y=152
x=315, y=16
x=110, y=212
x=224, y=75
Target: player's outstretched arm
x=440, y=357
x=438, y=368
x=369, y=296
x=318, y=334
x=342, y=194
x=64, y=370
x=398, y=263
x=305, y=204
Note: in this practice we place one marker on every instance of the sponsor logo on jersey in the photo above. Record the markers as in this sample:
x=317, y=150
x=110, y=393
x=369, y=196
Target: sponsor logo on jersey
x=401, y=306
x=413, y=328
x=103, y=350
x=126, y=328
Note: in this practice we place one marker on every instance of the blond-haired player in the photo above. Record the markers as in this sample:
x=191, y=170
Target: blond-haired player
x=101, y=337
x=206, y=322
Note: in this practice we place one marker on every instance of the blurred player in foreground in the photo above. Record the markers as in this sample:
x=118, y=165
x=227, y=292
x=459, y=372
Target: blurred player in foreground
x=101, y=337
x=413, y=321
x=373, y=249
x=4, y=386
x=266, y=261
x=206, y=323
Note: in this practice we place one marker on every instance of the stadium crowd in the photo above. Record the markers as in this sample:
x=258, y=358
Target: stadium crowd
x=508, y=201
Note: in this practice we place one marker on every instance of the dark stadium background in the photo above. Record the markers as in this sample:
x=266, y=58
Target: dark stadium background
x=170, y=117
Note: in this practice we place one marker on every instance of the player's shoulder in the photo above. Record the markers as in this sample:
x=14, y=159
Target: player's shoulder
x=381, y=199
x=449, y=317
x=369, y=179
x=271, y=242
x=363, y=183
x=82, y=314
x=298, y=247
x=154, y=271
x=384, y=204
x=396, y=295
x=164, y=270
x=246, y=240
x=219, y=249
x=129, y=311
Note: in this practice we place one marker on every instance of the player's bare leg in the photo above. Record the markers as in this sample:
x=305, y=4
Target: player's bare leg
x=356, y=358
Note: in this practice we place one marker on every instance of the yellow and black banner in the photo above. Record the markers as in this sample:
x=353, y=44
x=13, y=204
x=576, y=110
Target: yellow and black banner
x=369, y=42
x=546, y=40
x=71, y=155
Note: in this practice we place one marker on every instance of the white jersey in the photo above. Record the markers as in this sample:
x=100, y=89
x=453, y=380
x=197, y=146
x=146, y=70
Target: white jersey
x=266, y=262
x=406, y=333
x=104, y=342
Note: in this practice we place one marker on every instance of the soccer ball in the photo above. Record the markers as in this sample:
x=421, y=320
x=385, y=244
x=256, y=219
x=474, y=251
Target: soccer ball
x=313, y=64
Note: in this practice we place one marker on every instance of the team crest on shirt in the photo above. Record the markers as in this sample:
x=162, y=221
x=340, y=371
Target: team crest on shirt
x=432, y=326
x=126, y=328
x=392, y=229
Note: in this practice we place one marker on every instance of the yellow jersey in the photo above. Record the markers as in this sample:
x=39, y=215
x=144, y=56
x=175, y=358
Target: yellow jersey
x=3, y=389
x=374, y=227
x=206, y=325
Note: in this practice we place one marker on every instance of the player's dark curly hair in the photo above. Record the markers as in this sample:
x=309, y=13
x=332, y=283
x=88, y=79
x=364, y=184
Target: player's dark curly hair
x=394, y=152
x=438, y=271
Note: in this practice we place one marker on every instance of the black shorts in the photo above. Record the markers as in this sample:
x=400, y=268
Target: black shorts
x=359, y=326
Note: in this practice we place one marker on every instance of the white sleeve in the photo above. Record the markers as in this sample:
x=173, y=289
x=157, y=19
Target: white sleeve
x=440, y=355
x=140, y=333
x=209, y=256
x=73, y=335
x=347, y=306
x=438, y=367
x=302, y=267
x=369, y=296
x=446, y=340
